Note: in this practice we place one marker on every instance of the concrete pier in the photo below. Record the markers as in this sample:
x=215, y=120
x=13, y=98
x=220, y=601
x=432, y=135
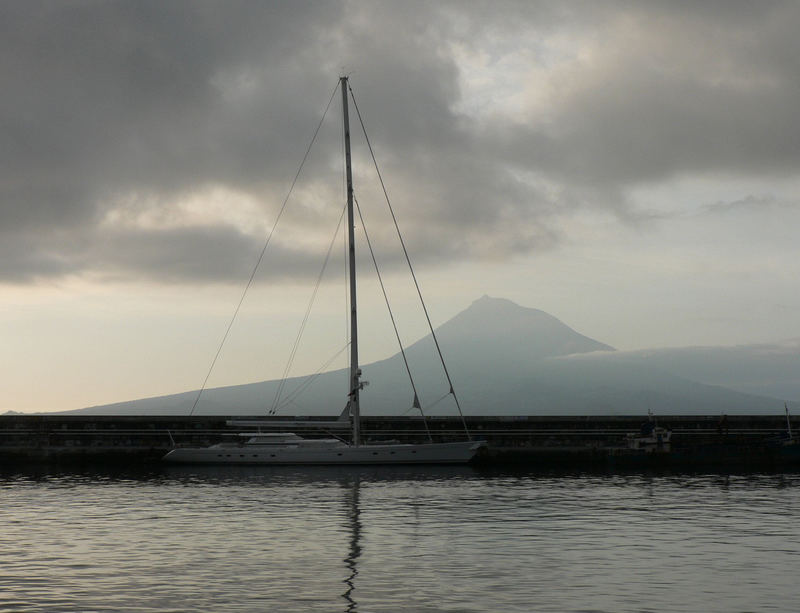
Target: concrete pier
x=539, y=441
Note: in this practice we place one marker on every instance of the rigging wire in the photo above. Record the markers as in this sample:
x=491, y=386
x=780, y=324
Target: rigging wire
x=410, y=267
x=305, y=384
x=430, y=406
x=263, y=251
x=416, y=404
x=273, y=409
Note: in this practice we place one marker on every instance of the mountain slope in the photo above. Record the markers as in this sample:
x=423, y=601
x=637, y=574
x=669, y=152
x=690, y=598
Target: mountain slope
x=504, y=359
x=498, y=328
x=771, y=370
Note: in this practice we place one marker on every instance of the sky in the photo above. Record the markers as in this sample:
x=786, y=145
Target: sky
x=631, y=168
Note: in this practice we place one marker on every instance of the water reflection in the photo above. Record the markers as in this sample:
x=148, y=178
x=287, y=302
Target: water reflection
x=406, y=539
x=353, y=511
x=306, y=475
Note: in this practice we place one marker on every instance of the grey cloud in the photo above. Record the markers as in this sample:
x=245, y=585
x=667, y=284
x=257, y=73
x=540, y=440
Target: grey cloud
x=203, y=254
x=28, y=259
x=174, y=255
x=749, y=203
x=103, y=99
x=698, y=90
x=123, y=94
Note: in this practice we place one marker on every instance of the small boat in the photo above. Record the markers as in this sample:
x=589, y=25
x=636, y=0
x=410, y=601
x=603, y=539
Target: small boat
x=790, y=439
x=786, y=443
x=290, y=448
x=651, y=438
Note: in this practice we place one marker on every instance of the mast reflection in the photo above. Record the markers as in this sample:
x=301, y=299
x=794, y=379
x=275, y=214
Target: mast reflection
x=354, y=552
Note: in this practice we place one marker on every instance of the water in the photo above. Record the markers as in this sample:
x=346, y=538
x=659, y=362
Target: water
x=393, y=540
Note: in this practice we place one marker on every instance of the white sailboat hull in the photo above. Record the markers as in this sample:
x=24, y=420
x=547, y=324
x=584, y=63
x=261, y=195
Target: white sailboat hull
x=334, y=454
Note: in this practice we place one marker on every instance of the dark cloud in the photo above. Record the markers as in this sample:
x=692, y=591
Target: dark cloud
x=108, y=101
x=104, y=99
x=203, y=254
x=685, y=88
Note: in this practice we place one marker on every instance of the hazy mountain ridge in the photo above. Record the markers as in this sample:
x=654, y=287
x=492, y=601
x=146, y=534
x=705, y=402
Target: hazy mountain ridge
x=500, y=326
x=759, y=369
x=505, y=359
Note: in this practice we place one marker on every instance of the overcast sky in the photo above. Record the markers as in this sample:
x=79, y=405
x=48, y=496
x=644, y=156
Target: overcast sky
x=629, y=167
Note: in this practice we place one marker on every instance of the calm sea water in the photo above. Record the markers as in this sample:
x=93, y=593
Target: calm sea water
x=455, y=539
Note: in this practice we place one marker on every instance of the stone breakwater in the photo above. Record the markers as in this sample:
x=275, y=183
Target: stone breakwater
x=540, y=441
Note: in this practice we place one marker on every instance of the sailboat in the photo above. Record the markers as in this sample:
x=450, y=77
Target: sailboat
x=290, y=448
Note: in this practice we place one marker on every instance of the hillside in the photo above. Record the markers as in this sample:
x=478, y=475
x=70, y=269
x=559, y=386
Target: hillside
x=504, y=359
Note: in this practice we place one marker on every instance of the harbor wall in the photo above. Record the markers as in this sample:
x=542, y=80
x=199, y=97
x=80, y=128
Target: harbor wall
x=569, y=441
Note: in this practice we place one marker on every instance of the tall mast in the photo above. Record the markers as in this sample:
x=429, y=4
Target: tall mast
x=355, y=372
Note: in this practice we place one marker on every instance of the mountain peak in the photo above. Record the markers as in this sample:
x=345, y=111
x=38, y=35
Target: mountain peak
x=498, y=353
x=498, y=306
x=497, y=325
x=487, y=301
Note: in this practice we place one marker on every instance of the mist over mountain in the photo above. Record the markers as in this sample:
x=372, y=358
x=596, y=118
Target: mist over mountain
x=759, y=369
x=505, y=359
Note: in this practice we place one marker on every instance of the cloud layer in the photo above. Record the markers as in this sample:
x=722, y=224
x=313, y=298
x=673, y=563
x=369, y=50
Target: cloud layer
x=495, y=123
